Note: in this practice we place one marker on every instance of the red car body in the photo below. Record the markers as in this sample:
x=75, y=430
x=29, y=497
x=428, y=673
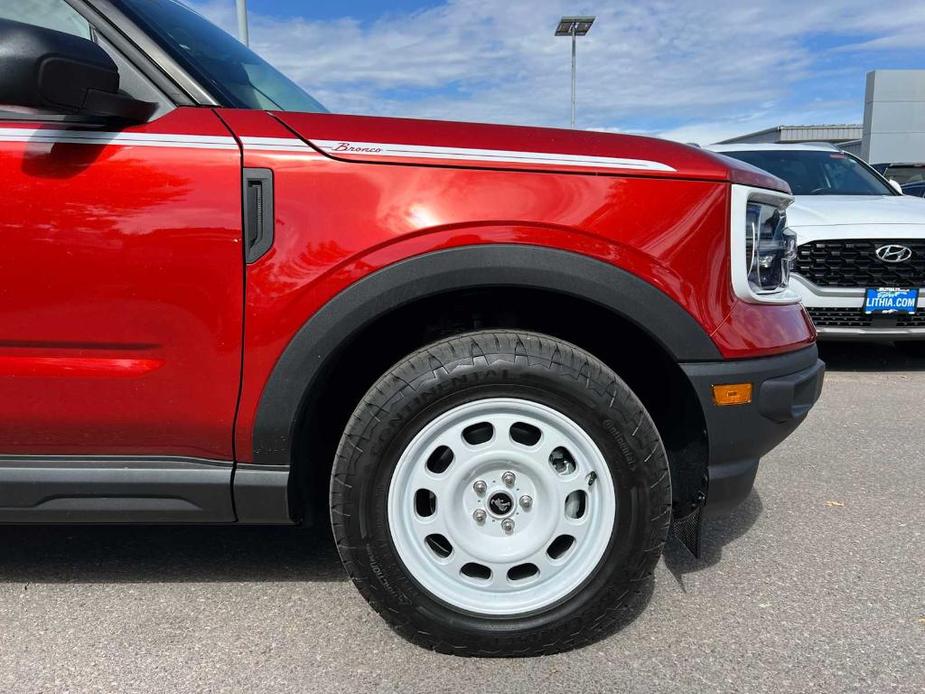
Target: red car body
x=155, y=367
x=124, y=276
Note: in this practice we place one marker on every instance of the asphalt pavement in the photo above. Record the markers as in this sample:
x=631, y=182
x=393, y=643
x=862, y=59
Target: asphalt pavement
x=816, y=583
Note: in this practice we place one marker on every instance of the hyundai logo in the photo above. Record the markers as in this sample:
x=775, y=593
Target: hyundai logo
x=894, y=253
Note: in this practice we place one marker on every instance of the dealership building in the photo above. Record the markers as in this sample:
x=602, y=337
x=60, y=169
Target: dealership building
x=893, y=129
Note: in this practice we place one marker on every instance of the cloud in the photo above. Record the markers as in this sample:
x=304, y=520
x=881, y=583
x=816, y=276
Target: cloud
x=912, y=40
x=694, y=68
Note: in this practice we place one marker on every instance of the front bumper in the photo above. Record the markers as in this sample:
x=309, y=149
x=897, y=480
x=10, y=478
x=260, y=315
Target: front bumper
x=784, y=389
x=885, y=329
x=838, y=314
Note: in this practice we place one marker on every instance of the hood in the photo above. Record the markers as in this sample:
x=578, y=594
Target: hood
x=835, y=210
x=477, y=145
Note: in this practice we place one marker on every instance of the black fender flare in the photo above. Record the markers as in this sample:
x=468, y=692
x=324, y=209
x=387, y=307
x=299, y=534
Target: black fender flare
x=477, y=266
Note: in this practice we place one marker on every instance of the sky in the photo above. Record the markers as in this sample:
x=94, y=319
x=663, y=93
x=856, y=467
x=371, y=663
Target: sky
x=694, y=71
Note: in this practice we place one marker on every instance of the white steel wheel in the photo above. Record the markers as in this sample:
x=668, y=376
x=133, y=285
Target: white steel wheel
x=501, y=493
x=501, y=507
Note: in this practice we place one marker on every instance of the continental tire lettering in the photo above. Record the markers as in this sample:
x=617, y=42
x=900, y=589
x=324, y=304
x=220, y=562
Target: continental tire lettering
x=618, y=436
x=383, y=581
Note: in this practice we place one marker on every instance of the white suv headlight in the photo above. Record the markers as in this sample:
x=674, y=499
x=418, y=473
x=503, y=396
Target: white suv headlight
x=763, y=248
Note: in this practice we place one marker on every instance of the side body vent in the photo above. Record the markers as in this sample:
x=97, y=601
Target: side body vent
x=258, y=213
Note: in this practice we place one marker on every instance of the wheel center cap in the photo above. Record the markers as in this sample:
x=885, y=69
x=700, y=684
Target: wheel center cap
x=500, y=503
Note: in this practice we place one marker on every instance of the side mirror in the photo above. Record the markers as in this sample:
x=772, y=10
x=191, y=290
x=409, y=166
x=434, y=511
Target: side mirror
x=898, y=188
x=55, y=71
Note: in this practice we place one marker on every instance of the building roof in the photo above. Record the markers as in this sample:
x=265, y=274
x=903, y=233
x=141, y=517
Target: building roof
x=756, y=147
x=837, y=132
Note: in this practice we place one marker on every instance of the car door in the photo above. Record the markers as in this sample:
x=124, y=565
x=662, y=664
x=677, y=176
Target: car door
x=121, y=289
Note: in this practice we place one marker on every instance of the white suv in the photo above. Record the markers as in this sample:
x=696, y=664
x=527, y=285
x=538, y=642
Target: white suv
x=860, y=265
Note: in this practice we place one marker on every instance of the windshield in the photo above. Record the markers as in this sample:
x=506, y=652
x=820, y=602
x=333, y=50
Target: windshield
x=812, y=172
x=233, y=73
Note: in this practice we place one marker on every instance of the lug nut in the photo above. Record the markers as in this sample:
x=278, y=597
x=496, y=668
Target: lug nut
x=508, y=478
x=526, y=502
x=507, y=525
x=478, y=515
x=480, y=487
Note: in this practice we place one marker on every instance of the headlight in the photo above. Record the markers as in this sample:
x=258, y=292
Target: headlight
x=763, y=248
x=770, y=248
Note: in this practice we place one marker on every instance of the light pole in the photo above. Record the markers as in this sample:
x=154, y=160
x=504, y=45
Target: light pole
x=574, y=27
x=241, y=6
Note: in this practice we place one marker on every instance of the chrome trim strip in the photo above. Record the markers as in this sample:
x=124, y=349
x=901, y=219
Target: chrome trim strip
x=843, y=292
x=884, y=333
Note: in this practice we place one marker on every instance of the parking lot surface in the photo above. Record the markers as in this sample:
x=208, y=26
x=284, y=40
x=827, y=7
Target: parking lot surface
x=816, y=583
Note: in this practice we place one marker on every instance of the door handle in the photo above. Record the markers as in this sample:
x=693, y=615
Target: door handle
x=258, y=213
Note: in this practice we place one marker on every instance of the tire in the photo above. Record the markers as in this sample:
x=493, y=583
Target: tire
x=611, y=470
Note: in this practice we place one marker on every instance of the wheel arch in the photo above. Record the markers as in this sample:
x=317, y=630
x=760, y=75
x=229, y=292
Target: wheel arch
x=305, y=378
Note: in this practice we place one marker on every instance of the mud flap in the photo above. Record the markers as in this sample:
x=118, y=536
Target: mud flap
x=687, y=528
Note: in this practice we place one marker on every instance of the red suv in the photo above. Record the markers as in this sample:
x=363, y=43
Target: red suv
x=505, y=360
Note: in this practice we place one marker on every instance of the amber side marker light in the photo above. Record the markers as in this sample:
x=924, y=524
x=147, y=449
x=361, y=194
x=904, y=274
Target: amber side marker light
x=732, y=394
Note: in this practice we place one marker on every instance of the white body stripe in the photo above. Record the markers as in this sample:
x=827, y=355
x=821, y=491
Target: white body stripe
x=377, y=149
x=277, y=144
x=85, y=137
x=331, y=147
